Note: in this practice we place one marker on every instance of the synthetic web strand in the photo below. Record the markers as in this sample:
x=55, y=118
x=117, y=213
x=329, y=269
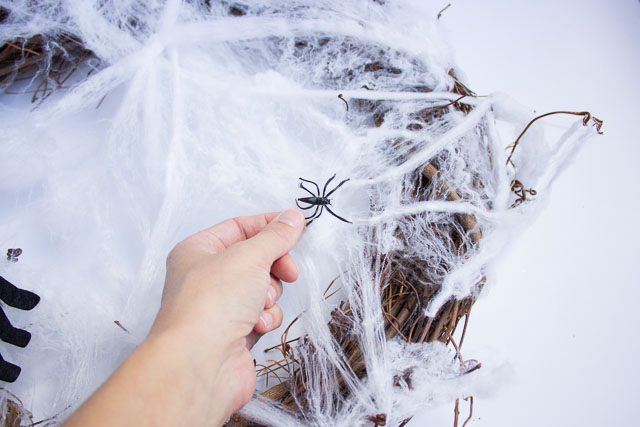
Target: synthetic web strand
x=203, y=117
x=432, y=206
x=435, y=147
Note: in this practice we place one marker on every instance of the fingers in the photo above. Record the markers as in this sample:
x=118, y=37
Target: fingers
x=276, y=239
x=220, y=236
x=213, y=240
x=285, y=269
x=270, y=319
x=274, y=292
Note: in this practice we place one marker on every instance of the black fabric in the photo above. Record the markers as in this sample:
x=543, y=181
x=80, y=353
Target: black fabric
x=23, y=300
x=11, y=334
x=8, y=371
x=16, y=297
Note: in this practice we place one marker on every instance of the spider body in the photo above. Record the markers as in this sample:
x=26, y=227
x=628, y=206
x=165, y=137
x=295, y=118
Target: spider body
x=315, y=200
x=321, y=201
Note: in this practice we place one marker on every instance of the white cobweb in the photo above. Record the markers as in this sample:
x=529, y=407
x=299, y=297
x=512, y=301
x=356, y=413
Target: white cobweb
x=195, y=115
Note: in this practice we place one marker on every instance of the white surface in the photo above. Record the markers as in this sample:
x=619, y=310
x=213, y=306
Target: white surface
x=561, y=315
x=551, y=327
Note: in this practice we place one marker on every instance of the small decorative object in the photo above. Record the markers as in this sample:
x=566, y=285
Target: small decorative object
x=13, y=254
x=320, y=201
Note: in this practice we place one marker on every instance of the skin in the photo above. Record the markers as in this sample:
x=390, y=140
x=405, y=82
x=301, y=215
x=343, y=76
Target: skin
x=220, y=295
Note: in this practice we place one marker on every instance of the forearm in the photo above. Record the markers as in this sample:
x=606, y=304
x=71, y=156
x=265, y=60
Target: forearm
x=157, y=385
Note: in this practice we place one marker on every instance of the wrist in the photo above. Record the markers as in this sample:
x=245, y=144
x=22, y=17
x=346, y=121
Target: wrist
x=191, y=372
x=186, y=351
x=154, y=385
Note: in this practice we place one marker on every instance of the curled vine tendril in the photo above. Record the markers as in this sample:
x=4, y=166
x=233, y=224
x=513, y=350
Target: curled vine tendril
x=518, y=188
x=586, y=117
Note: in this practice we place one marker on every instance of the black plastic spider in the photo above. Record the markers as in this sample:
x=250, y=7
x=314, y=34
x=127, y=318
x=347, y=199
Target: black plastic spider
x=319, y=201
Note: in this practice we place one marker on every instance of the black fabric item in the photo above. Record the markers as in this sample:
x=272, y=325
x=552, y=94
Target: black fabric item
x=16, y=297
x=11, y=334
x=23, y=300
x=8, y=371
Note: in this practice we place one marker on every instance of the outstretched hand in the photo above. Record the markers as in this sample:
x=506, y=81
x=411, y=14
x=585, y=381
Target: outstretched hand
x=220, y=295
x=222, y=287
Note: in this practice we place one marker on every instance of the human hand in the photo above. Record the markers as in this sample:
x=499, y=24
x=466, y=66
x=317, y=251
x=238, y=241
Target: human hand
x=220, y=295
x=221, y=290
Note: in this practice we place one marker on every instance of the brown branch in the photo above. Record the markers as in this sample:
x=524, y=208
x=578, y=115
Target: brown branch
x=470, y=399
x=585, y=121
x=23, y=49
x=464, y=328
x=442, y=10
x=279, y=346
x=455, y=346
x=456, y=413
x=120, y=326
x=344, y=100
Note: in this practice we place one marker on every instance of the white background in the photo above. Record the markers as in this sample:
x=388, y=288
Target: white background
x=560, y=319
x=557, y=323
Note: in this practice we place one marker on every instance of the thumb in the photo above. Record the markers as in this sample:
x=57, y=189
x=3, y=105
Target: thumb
x=277, y=238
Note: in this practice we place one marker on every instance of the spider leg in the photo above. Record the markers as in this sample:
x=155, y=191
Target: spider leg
x=307, y=190
x=337, y=186
x=310, y=182
x=313, y=215
x=324, y=190
x=339, y=217
x=304, y=209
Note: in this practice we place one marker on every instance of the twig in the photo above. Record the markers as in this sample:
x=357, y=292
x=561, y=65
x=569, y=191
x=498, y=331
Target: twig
x=456, y=413
x=392, y=321
x=23, y=49
x=585, y=121
x=458, y=354
x=121, y=327
x=518, y=189
x=470, y=399
x=46, y=420
x=443, y=9
x=454, y=102
x=101, y=100
x=344, y=100
x=331, y=284
x=284, y=348
x=266, y=350
x=269, y=370
x=464, y=328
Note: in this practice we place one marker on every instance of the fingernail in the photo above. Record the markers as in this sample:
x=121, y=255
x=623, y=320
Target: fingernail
x=266, y=319
x=290, y=217
x=271, y=295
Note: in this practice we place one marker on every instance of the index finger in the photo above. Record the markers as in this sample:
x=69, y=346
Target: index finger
x=233, y=230
x=215, y=239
